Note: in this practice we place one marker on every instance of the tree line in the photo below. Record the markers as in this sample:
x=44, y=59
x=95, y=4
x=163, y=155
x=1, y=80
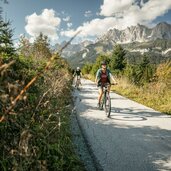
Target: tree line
x=138, y=73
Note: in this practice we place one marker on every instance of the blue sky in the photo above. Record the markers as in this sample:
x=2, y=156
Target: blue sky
x=61, y=19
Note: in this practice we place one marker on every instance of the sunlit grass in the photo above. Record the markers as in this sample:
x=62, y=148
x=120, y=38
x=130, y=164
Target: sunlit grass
x=154, y=95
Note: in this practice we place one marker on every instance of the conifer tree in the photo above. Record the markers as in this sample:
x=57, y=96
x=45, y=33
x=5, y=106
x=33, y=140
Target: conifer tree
x=25, y=47
x=41, y=47
x=6, y=42
x=118, y=58
x=1, y=10
x=144, y=71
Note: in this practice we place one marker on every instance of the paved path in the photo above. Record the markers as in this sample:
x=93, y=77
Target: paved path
x=135, y=138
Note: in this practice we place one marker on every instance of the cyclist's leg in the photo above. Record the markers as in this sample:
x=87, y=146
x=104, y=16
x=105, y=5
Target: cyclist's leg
x=76, y=81
x=109, y=88
x=80, y=80
x=100, y=94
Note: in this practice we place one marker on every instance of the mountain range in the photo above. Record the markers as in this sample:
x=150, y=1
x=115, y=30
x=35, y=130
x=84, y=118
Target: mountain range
x=139, y=39
x=138, y=33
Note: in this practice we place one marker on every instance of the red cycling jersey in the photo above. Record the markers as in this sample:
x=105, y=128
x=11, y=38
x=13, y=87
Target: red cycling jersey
x=104, y=78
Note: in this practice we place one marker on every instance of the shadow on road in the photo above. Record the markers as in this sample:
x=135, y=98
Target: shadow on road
x=127, y=147
x=130, y=140
x=132, y=148
x=145, y=113
x=126, y=141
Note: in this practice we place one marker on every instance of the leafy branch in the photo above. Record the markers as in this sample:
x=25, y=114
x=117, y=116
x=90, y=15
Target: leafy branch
x=39, y=74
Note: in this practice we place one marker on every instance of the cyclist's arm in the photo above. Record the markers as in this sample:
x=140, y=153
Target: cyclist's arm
x=97, y=77
x=112, y=78
x=96, y=80
x=74, y=74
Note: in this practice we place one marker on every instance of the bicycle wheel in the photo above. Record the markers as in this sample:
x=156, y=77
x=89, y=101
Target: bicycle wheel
x=107, y=105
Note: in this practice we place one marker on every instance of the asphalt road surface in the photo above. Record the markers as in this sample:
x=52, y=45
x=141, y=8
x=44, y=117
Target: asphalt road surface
x=135, y=138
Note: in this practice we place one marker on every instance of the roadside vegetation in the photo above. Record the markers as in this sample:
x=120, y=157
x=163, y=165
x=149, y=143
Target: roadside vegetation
x=35, y=106
x=144, y=82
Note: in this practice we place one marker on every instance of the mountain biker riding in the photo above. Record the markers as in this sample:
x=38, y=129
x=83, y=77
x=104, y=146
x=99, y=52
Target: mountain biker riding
x=103, y=76
x=78, y=75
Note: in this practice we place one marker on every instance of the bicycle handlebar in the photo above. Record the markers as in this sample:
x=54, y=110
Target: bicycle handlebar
x=107, y=84
x=114, y=83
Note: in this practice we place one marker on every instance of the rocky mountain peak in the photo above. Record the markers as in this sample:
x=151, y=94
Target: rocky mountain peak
x=138, y=33
x=162, y=31
x=163, y=24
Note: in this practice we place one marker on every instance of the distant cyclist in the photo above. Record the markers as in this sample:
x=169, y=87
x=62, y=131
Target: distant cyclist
x=103, y=76
x=78, y=75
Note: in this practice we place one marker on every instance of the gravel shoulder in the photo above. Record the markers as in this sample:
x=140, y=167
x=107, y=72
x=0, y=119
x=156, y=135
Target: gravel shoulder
x=81, y=145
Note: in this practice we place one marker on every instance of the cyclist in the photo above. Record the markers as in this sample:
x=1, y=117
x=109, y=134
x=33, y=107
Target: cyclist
x=78, y=74
x=103, y=76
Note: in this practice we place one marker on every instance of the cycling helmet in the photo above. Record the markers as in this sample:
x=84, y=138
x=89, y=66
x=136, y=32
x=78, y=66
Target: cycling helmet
x=103, y=63
x=78, y=68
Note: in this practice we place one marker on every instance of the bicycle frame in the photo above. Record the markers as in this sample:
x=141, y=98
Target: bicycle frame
x=78, y=81
x=106, y=101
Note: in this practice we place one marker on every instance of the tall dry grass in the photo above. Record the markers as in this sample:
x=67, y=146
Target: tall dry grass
x=156, y=94
x=35, y=132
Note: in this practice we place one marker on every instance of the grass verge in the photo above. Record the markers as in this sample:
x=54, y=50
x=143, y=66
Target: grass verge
x=154, y=95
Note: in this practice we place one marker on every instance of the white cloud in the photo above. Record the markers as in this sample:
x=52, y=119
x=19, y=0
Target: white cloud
x=154, y=8
x=47, y=23
x=116, y=14
x=69, y=25
x=68, y=18
x=88, y=14
x=130, y=13
x=68, y=33
x=95, y=27
x=121, y=14
x=111, y=7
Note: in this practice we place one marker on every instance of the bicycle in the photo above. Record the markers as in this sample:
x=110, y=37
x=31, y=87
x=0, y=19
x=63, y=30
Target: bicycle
x=78, y=81
x=106, y=100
